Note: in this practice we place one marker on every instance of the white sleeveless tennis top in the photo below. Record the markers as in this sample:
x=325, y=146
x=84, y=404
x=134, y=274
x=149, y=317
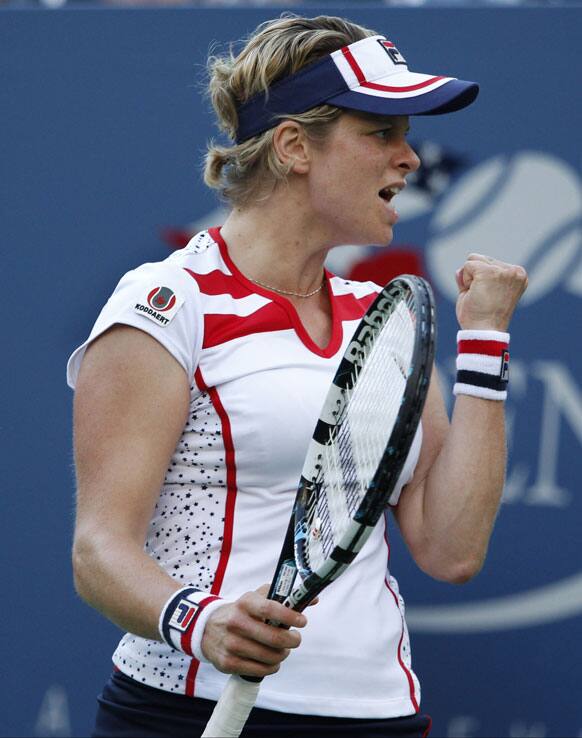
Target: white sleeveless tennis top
x=257, y=385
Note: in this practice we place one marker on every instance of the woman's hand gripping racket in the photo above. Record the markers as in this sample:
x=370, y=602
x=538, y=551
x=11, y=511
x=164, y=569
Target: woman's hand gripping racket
x=355, y=458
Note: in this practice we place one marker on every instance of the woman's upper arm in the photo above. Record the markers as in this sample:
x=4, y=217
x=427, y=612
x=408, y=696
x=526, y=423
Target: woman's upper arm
x=435, y=424
x=131, y=404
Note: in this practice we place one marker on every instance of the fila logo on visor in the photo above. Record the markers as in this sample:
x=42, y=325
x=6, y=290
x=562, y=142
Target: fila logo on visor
x=392, y=51
x=160, y=305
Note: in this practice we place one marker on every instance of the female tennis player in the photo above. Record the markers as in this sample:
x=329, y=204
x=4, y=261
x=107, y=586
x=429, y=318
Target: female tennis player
x=199, y=386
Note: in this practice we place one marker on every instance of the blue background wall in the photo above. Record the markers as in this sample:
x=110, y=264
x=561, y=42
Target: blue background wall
x=101, y=135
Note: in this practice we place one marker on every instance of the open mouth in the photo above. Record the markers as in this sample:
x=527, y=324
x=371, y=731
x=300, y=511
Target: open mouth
x=387, y=193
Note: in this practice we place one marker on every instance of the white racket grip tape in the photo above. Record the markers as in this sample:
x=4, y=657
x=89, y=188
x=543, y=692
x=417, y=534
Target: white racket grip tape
x=232, y=709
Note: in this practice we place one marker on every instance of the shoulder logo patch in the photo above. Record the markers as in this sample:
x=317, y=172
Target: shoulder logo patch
x=160, y=305
x=161, y=299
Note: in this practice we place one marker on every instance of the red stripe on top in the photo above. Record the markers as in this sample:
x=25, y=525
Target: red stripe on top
x=488, y=348
x=228, y=512
x=230, y=480
x=191, y=677
x=350, y=307
x=219, y=283
x=286, y=305
x=356, y=69
x=221, y=328
x=400, y=661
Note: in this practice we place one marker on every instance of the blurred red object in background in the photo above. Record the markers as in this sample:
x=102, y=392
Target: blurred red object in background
x=386, y=264
x=176, y=238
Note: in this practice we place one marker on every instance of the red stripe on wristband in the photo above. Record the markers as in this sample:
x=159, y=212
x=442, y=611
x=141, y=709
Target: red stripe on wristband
x=186, y=637
x=489, y=348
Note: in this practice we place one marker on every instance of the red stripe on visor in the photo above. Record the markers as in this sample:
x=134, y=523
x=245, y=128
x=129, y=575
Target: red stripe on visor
x=361, y=77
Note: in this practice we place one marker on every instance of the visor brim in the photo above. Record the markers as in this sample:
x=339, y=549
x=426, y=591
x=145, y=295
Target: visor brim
x=449, y=97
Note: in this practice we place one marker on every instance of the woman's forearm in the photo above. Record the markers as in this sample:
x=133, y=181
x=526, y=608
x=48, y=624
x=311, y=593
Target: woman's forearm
x=463, y=489
x=115, y=576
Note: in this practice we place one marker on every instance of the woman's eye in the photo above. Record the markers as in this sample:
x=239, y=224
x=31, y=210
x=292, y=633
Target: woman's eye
x=388, y=133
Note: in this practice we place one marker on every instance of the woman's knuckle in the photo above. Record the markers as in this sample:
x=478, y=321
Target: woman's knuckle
x=283, y=640
x=521, y=274
x=266, y=610
x=271, y=658
x=237, y=623
x=230, y=623
x=238, y=645
x=228, y=642
x=230, y=663
x=245, y=600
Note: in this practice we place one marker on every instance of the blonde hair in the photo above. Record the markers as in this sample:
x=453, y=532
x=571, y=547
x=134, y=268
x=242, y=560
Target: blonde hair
x=248, y=171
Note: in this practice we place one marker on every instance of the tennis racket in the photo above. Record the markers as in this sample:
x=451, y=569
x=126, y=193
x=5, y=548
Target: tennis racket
x=355, y=458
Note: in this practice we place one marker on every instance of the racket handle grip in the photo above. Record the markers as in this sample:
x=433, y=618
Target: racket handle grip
x=232, y=709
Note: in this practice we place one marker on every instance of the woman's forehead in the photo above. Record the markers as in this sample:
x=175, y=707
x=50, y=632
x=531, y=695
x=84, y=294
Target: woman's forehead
x=359, y=120
x=375, y=119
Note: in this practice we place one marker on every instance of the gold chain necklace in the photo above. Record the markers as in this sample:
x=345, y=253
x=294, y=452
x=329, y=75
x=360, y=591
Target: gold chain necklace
x=288, y=292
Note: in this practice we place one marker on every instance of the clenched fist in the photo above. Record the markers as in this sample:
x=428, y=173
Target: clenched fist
x=489, y=291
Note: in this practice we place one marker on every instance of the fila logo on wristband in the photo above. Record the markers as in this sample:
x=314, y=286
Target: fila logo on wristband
x=482, y=364
x=505, y=366
x=183, y=620
x=182, y=615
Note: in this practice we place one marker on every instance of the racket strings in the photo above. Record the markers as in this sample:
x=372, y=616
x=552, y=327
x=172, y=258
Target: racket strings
x=358, y=443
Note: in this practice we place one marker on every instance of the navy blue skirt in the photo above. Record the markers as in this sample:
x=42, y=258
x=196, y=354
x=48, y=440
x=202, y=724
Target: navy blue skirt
x=130, y=709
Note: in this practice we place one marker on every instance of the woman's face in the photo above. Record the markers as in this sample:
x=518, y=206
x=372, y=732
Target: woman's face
x=354, y=174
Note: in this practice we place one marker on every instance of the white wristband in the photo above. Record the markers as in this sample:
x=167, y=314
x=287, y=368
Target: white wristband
x=197, y=635
x=183, y=619
x=482, y=364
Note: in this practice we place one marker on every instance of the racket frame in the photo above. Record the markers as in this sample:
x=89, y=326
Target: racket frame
x=393, y=459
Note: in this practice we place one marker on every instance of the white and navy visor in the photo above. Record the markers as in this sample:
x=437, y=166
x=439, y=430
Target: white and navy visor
x=370, y=75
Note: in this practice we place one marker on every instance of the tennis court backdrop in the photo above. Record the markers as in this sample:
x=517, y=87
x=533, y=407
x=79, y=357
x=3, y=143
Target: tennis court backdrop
x=101, y=135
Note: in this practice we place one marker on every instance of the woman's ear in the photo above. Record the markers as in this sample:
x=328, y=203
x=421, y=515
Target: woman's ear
x=292, y=146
